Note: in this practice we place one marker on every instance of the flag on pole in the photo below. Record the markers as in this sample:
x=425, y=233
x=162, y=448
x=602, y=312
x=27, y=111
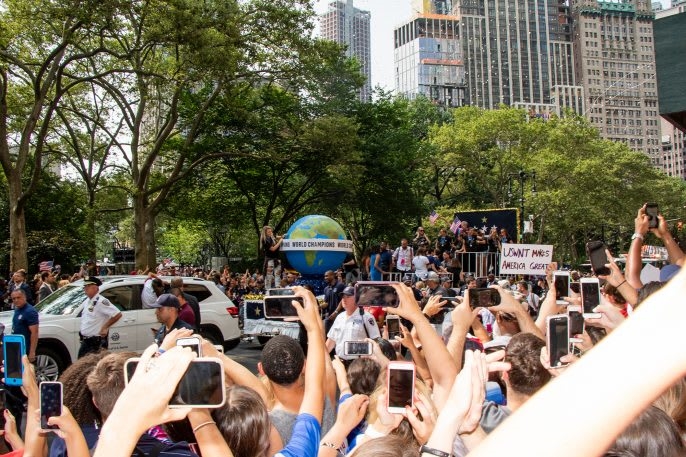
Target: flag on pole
x=45, y=265
x=432, y=217
x=455, y=226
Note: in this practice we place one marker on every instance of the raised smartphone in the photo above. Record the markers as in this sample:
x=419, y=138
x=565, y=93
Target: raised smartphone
x=595, y=250
x=393, y=326
x=576, y=320
x=202, y=386
x=279, y=292
x=376, y=293
x=192, y=342
x=400, y=386
x=281, y=306
x=13, y=349
x=483, y=297
x=561, y=280
x=358, y=348
x=590, y=296
x=50, y=403
x=558, y=339
x=652, y=212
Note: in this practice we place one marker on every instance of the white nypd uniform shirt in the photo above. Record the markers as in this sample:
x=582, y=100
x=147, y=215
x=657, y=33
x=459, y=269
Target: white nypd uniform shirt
x=96, y=311
x=352, y=328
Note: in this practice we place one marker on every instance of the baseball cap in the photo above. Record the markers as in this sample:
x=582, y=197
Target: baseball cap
x=167, y=300
x=88, y=280
x=432, y=276
x=349, y=291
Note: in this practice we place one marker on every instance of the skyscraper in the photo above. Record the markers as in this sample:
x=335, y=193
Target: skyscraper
x=615, y=62
x=347, y=25
x=516, y=52
x=427, y=55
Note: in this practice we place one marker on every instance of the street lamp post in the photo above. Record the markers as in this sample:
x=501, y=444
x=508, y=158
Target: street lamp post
x=521, y=176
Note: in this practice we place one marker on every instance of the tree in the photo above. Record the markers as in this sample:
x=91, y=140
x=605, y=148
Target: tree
x=42, y=45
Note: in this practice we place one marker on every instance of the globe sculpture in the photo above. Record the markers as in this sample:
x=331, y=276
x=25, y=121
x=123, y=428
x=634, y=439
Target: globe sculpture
x=315, y=244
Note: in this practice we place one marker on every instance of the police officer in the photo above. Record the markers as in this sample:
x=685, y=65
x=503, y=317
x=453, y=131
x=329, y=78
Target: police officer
x=98, y=315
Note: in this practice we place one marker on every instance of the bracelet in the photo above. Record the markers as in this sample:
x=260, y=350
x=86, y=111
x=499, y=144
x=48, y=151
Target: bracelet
x=195, y=429
x=429, y=450
x=620, y=284
x=331, y=445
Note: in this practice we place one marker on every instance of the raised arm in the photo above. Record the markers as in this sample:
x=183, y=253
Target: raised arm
x=508, y=304
x=634, y=264
x=676, y=255
x=440, y=362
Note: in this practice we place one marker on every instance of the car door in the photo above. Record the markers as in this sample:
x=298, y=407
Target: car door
x=124, y=334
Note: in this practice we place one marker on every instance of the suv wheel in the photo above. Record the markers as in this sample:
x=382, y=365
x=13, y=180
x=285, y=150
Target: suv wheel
x=49, y=364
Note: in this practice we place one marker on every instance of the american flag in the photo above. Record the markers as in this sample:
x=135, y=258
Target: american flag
x=45, y=265
x=432, y=217
x=455, y=226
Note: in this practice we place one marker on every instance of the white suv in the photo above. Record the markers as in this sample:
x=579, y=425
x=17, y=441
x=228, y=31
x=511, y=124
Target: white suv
x=60, y=320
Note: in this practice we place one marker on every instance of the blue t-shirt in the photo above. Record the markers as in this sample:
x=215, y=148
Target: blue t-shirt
x=23, y=318
x=305, y=439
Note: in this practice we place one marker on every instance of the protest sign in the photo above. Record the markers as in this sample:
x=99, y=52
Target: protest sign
x=525, y=259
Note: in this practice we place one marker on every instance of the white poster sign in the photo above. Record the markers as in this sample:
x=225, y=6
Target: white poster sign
x=525, y=259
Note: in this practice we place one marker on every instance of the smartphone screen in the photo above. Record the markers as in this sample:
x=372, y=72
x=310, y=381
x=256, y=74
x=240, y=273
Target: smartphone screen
x=376, y=294
x=576, y=323
x=50, y=403
x=393, y=326
x=558, y=339
x=279, y=307
x=561, y=286
x=400, y=387
x=358, y=348
x=483, y=298
x=202, y=385
x=13, y=349
x=590, y=296
x=598, y=257
x=651, y=212
x=193, y=343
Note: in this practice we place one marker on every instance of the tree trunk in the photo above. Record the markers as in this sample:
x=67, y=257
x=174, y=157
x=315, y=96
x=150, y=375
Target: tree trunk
x=144, y=225
x=18, y=242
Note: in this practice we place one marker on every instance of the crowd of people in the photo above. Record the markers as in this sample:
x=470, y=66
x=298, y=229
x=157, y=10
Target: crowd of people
x=483, y=384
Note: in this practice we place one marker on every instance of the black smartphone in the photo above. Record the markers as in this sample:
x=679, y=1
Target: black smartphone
x=595, y=250
x=281, y=306
x=483, y=297
x=50, y=403
x=376, y=293
x=202, y=385
x=358, y=348
x=651, y=212
x=393, y=326
x=558, y=339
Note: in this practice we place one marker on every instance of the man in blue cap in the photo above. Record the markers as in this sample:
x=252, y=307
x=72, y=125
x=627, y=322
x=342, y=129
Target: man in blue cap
x=167, y=309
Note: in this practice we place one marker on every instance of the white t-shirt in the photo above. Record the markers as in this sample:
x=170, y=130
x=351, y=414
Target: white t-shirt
x=421, y=263
x=403, y=258
x=352, y=328
x=96, y=311
x=148, y=296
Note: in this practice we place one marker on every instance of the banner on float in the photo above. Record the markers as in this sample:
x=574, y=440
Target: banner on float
x=525, y=259
x=317, y=244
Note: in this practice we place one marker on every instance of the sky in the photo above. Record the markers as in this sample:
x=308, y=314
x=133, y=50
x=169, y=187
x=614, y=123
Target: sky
x=386, y=15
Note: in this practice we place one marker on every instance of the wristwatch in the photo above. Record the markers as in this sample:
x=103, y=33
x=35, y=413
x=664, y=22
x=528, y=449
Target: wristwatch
x=636, y=235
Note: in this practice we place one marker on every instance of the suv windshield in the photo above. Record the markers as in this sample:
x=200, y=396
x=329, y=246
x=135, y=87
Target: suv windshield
x=63, y=301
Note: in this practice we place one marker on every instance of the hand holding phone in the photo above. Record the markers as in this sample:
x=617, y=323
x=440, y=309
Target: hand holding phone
x=14, y=348
x=400, y=387
x=590, y=296
x=558, y=339
x=561, y=281
x=597, y=255
x=50, y=403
